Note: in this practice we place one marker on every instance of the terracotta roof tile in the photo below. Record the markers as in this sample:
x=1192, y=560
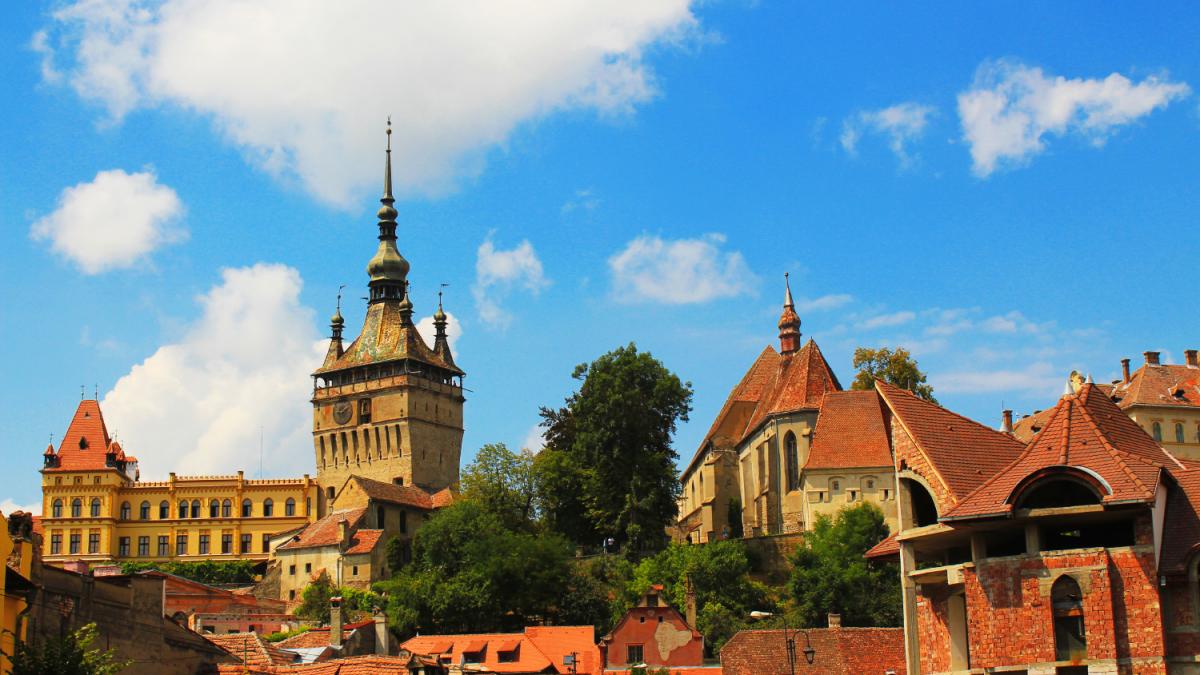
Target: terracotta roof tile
x=1160, y=385
x=850, y=432
x=962, y=451
x=407, y=495
x=326, y=531
x=885, y=549
x=799, y=383
x=745, y=395
x=251, y=649
x=84, y=446
x=539, y=648
x=363, y=541
x=319, y=637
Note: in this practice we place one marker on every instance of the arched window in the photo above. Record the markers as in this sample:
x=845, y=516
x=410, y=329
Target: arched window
x=183, y=509
x=1070, y=637
x=56, y=508
x=214, y=509
x=1178, y=432
x=1058, y=491
x=164, y=510
x=76, y=507
x=226, y=508
x=95, y=507
x=195, y=508
x=144, y=511
x=268, y=508
x=1157, y=431
x=126, y=511
x=792, y=460
x=924, y=509
x=247, y=508
x=289, y=507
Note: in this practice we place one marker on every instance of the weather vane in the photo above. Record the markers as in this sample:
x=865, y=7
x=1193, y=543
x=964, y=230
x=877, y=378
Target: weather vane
x=339, y=298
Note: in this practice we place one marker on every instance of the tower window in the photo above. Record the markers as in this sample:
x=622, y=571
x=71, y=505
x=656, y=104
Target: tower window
x=183, y=509
x=329, y=493
x=226, y=508
x=214, y=509
x=83, y=444
x=144, y=511
x=164, y=510
x=792, y=461
x=126, y=511
x=56, y=509
x=195, y=508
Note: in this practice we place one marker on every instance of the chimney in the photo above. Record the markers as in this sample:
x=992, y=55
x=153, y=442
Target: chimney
x=335, y=622
x=1006, y=426
x=344, y=531
x=1151, y=358
x=1125, y=371
x=381, y=634
x=835, y=620
x=1189, y=357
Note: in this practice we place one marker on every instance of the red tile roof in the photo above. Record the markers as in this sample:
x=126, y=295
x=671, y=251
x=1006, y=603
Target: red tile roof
x=326, y=531
x=363, y=541
x=746, y=394
x=406, y=495
x=1160, y=385
x=962, y=451
x=850, y=432
x=86, y=442
x=251, y=649
x=37, y=526
x=539, y=649
x=1086, y=431
x=837, y=650
x=319, y=637
x=885, y=549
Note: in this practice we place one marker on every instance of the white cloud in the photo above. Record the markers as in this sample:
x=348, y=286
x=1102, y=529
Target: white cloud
x=679, y=271
x=887, y=320
x=535, y=440
x=1038, y=380
x=112, y=222
x=9, y=507
x=240, y=369
x=453, y=331
x=303, y=86
x=901, y=124
x=498, y=271
x=1010, y=108
x=823, y=303
x=582, y=200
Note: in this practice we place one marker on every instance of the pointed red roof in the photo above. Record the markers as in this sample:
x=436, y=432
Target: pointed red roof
x=84, y=446
x=741, y=401
x=799, y=383
x=963, y=452
x=850, y=432
x=1088, y=432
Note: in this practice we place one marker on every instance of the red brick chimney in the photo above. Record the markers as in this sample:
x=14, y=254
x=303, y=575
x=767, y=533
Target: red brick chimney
x=1189, y=357
x=1125, y=371
x=1151, y=358
x=1006, y=427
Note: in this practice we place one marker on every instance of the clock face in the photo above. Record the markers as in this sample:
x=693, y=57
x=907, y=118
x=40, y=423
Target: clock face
x=341, y=412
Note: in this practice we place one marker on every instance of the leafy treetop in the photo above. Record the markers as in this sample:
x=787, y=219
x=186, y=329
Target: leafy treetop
x=897, y=367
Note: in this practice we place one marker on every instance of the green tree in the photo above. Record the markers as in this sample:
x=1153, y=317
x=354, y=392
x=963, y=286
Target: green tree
x=502, y=481
x=608, y=451
x=72, y=654
x=314, y=601
x=203, y=571
x=830, y=574
x=894, y=367
x=734, y=516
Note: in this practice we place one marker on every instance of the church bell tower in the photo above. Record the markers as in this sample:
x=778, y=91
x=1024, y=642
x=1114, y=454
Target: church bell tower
x=387, y=407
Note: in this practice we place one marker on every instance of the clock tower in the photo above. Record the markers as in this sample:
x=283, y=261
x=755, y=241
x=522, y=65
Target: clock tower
x=387, y=407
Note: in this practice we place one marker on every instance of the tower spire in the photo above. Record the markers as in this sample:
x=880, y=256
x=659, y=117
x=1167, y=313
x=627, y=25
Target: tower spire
x=441, y=340
x=388, y=269
x=337, y=322
x=789, y=321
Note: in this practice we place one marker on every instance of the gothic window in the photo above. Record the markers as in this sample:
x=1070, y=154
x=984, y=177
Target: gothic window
x=195, y=508
x=95, y=507
x=289, y=507
x=1157, y=431
x=76, y=507
x=183, y=509
x=268, y=507
x=226, y=508
x=247, y=508
x=126, y=511
x=144, y=511
x=56, y=509
x=1178, y=432
x=164, y=510
x=214, y=509
x=1070, y=636
x=792, y=461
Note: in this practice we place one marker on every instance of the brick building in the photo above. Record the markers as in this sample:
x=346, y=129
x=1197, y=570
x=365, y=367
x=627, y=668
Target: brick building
x=653, y=633
x=1074, y=553
x=862, y=651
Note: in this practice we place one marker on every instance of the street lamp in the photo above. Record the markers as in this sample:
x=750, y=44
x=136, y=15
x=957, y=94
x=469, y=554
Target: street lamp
x=789, y=637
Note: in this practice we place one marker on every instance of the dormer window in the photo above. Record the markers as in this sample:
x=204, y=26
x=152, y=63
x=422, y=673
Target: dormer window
x=83, y=444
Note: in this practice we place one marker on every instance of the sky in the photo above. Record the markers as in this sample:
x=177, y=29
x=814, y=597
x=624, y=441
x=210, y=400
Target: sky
x=1007, y=190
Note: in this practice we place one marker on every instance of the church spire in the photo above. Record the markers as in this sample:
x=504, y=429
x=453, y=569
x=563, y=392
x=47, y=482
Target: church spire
x=789, y=322
x=441, y=340
x=388, y=269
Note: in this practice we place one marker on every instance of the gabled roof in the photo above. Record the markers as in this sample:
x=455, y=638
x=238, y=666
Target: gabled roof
x=405, y=495
x=319, y=637
x=386, y=337
x=326, y=531
x=1088, y=432
x=539, y=649
x=1160, y=385
x=850, y=432
x=363, y=541
x=85, y=445
x=800, y=381
x=251, y=649
x=746, y=394
x=963, y=452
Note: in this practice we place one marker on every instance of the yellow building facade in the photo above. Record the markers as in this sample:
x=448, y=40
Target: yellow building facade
x=95, y=509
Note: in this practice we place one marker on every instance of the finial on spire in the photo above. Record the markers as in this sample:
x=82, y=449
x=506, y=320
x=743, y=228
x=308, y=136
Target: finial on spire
x=96, y=391
x=440, y=315
x=787, y=295
x=82, y=389
x=789, y=321
x=387, y=173
x=336, y=323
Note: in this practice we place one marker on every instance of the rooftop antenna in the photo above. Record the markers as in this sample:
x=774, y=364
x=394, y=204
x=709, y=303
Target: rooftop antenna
x=440, y=287
x=82, y=387
x=96, y=391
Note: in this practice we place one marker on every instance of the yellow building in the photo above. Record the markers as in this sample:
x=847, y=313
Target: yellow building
x=16, y=549
x=95, y=509
x=787, y=447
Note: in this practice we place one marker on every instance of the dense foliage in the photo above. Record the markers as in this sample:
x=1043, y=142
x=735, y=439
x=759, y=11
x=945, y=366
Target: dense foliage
x=894, y=367
x=608, y=468
x=829, y=573
x=72, y=654
x=314, y=602
x=503, y=483
x=204, y=571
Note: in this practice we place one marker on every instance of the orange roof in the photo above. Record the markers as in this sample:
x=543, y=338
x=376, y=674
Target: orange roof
x=84, y=446
x=962, y=451
x=386, y=337
x=251, y=649
x=850, y=432
x=37, y=526
x=326, y=531
x=1027, y=427
x=407, y=495
x=885, y=549
x=746, y=394
x=1160, y=385
x=1085, y=431
x=538, y=649
x=319, y=637
x=800, y=381
x=363, y=541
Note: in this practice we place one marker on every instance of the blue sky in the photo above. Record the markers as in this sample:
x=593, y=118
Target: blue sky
x=1009, y=191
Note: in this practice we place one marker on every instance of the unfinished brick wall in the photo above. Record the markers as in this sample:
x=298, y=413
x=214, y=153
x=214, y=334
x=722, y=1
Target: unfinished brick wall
x=933, y=631
x=907, y=454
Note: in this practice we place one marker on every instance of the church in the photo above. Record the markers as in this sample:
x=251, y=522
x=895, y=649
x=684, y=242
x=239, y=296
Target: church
x=387, y=436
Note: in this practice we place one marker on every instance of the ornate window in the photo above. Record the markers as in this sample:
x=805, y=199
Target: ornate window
x=56, y=509
x=792, y=460
x=144, y=511
x=95, y=510
x=289, y=507
x=76, y=507
x=195, y=508
x=164, y=510
x=226, y=508
x=1070, y=636
x=214, y=509
x=183, y=509
x=247, y=508
x=268, y=507
x=126, y=511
